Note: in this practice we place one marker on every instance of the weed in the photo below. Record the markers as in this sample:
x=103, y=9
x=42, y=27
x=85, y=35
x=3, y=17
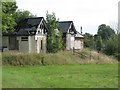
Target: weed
x=60, y=58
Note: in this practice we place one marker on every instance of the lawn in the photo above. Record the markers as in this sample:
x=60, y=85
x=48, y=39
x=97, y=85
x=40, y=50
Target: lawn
x=61, y=76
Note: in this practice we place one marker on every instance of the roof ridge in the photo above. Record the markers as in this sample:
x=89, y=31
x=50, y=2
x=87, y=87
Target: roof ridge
x=33, y=17
x=65, y=21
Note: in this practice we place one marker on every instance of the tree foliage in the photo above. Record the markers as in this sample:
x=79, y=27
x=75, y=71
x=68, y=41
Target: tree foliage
x=88, y=40
x=54, y=37
x=8, y=21
x=105, y=32
x=9, y=7
x=112, y=46
x=106, y=40
x=11, y=16
x=20, y=14
x=98, y=43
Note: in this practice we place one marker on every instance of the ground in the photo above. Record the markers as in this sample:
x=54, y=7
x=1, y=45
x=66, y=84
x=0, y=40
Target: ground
x=61, y=76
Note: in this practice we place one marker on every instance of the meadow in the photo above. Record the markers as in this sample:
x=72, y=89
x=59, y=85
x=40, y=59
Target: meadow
x=65, y=69
x=0, y=70
x=61, y=76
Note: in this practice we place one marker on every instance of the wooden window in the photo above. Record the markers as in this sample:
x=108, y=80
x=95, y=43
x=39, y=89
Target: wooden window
x=24, y=38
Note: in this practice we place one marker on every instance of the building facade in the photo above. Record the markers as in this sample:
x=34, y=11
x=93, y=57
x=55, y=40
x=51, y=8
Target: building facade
x=31, y=36
x=72, y=38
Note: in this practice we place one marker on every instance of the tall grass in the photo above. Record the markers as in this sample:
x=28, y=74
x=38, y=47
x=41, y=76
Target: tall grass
x=0, y=58
x=63, y=57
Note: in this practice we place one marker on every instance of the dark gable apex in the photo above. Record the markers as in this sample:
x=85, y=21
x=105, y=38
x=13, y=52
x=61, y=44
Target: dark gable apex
x=64, y=26
x=28, y=26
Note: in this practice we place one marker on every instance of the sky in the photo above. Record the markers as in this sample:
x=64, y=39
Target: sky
x=86, y=13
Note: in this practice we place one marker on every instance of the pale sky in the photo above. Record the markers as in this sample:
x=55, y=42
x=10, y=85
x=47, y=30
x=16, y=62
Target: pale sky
x=86, y=13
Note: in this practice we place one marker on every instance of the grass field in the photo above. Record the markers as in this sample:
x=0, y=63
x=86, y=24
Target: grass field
x=61, y=76
x=0, y=70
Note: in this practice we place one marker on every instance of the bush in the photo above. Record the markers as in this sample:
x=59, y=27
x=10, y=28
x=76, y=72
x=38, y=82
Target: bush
x=19, y=59
x=42, y=60
x=111, y=47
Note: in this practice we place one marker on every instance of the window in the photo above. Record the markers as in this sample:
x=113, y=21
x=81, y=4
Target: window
x=41, y=26
x=38, y=32
x=24, y=38
x=41, y=44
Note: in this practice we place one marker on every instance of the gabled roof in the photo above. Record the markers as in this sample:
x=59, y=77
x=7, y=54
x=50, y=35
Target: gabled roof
x=27, y=25
x=64, y=26
x=29, y=22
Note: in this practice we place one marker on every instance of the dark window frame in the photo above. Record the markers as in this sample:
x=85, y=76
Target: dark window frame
x=25, y=38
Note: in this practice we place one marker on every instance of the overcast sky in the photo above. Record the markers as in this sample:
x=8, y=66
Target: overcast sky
x=86, y=13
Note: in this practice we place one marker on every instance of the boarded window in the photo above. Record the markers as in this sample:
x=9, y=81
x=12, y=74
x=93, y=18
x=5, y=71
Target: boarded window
x=24, y=38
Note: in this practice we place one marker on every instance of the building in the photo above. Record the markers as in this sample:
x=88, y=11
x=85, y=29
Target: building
x=30, y=36
x=72, y=38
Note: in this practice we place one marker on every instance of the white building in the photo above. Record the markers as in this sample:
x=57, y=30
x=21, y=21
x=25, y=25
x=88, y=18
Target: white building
x=30, y=36
x=72, y=38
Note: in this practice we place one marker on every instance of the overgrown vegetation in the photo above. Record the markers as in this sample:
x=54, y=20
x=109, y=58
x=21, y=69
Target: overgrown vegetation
x=60, y=58
x=54, y=37
x=105, y=41
x=8, y=21
x=11, y=16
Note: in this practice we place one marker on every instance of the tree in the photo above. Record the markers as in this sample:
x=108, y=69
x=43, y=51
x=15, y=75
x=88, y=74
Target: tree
x=8, y=22
x=105, y=32
x=9, y=7
x=54, y=37
x=20, y=14
x=98, y=43
x=88, y=40
x=11, y=16
x=111, y=47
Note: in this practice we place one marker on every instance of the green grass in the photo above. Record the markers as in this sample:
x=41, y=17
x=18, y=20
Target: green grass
x=0, y=70
x=61, y=76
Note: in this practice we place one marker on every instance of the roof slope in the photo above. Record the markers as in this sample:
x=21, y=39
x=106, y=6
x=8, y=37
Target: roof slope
x=63, y=26
x=28, y=24
x=79, y=35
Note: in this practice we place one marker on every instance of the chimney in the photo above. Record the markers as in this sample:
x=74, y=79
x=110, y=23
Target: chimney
x=81, y=30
